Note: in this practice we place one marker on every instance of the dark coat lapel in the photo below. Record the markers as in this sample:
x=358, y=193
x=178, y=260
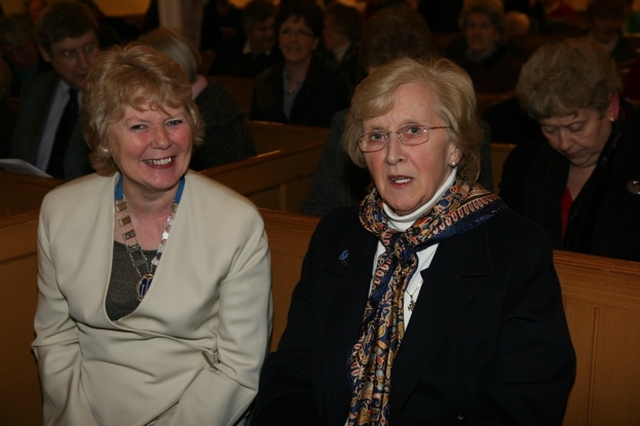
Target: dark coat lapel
x=349, y=293
x=443, y=299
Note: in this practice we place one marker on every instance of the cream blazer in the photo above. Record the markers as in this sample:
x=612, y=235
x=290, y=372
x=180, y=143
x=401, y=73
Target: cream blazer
x=193, y=347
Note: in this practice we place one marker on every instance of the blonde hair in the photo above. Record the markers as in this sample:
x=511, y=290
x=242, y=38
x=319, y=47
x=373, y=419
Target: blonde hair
x=455, y=103
x=134, y=76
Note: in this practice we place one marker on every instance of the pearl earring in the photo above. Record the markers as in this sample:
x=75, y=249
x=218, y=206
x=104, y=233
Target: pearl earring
x=453, y=164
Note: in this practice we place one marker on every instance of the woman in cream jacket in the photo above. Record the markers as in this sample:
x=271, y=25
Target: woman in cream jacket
x=131, y=334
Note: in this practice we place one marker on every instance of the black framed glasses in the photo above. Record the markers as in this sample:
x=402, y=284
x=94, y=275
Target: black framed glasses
x=413, y=134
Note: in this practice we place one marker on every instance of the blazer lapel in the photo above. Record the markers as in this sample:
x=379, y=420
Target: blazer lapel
x=441, y=303
x=349, y=293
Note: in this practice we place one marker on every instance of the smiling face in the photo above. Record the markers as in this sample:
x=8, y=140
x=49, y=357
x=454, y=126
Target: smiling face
x=580, y=137
x=481, y=35
x=407, y=177
x=296, y=40
x=152, y=148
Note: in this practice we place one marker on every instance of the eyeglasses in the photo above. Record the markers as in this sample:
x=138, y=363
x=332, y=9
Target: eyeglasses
x=72, y=55
x=287, y=32
x=413, y=134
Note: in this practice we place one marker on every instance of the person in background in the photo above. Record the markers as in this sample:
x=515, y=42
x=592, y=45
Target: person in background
x=47, y=132
x=533, y=8
x=341, y=36
x=388, y=35
x=301, y=89
x=133, y=327
x=605, y=19
x=582, y=183
x=255, y=49
x=431, y=303
x=632, y=18
x=20, y=49
x=33, y=8
x=226, y=138
x=517, y=24
x=111, y=29
x=559, y=15
x=483, y=51
x=441, y=16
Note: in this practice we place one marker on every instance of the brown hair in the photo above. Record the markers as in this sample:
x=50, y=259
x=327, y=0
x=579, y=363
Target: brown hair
x=564, y=76
x=64, y=19
x=394, y=33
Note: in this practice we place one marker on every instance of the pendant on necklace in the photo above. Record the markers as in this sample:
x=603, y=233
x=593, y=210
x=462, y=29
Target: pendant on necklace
x=412, y=305
x=143, y=285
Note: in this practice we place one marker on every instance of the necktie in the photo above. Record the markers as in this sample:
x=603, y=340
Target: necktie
x=63, y=135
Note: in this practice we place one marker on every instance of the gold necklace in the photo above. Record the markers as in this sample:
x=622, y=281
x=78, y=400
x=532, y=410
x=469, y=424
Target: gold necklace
x=135, y=252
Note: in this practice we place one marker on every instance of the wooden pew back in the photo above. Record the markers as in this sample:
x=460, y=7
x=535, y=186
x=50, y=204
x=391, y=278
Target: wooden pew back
x=240, y=89
x=20, y=398
x=499, y=154
x=289, y=236
x=602, y=304
x=278, y=180
x=21, y=193
x=269, y=136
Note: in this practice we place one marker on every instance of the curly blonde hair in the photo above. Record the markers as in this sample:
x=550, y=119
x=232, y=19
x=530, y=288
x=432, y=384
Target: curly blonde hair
x=135, y=75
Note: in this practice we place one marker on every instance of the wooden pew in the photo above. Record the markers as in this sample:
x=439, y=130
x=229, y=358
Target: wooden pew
x=486, y=100
x=289, y=236
x=602, y=303
x=499, y=153
x=20, y=198
x=269, y=136
x=601, y=296
x=240, y=89
x=22, y=192
x=278, y=180
x=20, y=398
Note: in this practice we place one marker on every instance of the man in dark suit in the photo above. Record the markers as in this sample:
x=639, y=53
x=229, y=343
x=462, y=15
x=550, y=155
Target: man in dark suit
x=48, y=133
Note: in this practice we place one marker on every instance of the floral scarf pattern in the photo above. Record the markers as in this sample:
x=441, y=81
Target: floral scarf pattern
x=462, y=207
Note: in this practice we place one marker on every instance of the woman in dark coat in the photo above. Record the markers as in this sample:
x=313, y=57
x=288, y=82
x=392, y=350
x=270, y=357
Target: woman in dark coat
x=302, y=89
x=582, y=183
x=431, y=303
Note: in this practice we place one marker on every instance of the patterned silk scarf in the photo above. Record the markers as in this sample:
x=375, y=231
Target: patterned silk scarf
x=461, y=207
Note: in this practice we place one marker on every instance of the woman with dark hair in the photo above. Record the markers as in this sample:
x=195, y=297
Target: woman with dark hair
x=301, y=89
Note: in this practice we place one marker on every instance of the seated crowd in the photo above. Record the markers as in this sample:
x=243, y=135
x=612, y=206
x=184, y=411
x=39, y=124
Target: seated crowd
x=135, y=328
